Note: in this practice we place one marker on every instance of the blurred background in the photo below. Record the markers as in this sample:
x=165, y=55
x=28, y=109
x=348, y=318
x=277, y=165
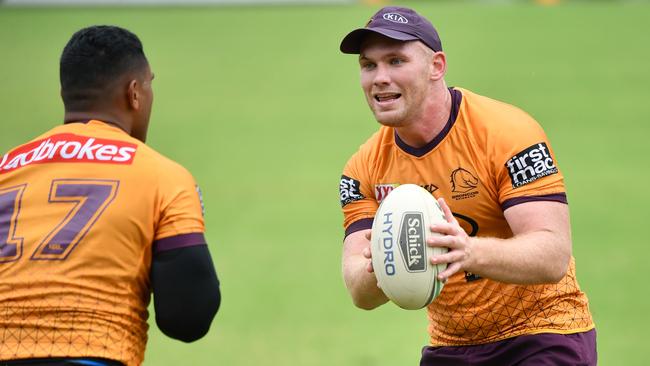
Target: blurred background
x=254, y=98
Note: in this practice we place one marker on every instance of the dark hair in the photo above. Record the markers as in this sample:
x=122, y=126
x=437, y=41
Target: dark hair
x=94, y=58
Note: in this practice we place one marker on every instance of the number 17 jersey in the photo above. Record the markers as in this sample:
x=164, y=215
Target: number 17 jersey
x=83, y=208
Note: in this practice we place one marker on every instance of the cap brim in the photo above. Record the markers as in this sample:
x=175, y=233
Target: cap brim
x=352, y=42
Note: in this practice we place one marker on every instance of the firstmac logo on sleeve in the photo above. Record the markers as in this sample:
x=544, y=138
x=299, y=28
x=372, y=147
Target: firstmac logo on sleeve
x=530, y=164
x=350, y=190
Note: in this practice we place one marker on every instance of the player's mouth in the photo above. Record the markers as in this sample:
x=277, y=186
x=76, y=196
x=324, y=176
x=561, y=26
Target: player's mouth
x=385, y=98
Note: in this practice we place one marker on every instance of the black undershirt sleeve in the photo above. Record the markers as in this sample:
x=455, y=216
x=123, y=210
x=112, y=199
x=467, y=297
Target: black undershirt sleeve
x=186, y=293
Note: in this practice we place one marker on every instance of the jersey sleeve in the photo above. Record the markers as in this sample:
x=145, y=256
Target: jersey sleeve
x=525, y=165
x=356, y=194
x=181, y=221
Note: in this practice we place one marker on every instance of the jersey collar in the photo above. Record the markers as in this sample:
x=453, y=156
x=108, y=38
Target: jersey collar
x=456, y=99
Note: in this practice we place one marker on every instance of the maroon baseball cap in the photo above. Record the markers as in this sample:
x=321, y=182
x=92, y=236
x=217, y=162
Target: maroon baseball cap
x=394, y=22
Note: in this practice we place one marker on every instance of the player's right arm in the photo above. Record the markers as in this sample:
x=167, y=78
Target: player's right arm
x=358, y=274
x=359, y=206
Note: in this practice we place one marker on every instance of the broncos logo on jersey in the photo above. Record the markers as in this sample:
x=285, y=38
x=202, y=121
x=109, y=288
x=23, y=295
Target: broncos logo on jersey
x=462, y=181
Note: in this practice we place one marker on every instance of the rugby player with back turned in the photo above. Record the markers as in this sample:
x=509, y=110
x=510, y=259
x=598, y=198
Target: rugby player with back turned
x=92, y=221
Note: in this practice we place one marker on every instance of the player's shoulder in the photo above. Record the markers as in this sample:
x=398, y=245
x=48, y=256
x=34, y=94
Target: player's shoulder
x=152, y=159
x=484, y=109
x=376, y=144
x=492, y=116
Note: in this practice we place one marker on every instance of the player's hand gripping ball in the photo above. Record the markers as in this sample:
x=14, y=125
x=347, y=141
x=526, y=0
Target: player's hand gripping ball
x=400, y=254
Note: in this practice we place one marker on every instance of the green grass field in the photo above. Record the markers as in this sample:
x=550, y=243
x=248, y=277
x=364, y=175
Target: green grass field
x=260, y=106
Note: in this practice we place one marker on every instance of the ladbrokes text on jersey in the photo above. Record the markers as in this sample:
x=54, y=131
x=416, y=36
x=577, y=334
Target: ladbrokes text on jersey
x=70, y=148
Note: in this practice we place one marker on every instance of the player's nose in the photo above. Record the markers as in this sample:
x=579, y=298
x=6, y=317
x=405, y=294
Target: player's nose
x=381, y=77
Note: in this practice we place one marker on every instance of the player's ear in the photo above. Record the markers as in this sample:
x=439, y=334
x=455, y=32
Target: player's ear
x=133, y=98
x=439, y=65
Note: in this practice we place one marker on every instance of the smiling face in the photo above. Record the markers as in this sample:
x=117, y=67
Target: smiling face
x=396, y=77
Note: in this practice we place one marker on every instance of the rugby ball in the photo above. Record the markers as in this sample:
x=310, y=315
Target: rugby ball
x=400, y=255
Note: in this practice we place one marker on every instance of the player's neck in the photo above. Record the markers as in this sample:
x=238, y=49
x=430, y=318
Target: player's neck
x=109, y=118
x=430, y=123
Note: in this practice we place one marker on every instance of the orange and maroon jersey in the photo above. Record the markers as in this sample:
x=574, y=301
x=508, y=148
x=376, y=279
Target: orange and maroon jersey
x=82, y=209
x=489, y=156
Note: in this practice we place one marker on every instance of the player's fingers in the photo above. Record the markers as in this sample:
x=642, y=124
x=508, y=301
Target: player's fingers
x=454, y=256
x=368, y=234
x=451, y=269
x=445, y=228
x=446, y=241
x=369, y=267
x=449, y=216
x=366, y=253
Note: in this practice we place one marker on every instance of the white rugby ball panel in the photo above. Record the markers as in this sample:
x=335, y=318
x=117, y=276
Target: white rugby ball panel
x=400, y=256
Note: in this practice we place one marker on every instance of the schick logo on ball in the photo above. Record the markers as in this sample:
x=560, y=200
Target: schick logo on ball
x=530, y=164
x=411, y=242
x=395, y=18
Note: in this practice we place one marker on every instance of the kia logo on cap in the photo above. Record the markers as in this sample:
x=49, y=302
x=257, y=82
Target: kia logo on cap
x=395, y=18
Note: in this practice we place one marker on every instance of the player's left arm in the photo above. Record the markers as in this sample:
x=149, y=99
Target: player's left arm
x=530, y=189
x=184, y=281
x=539, y=251
x=185, y=291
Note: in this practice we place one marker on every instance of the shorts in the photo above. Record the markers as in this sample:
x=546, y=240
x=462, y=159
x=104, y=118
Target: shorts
x=61, y=361
x=577, y=349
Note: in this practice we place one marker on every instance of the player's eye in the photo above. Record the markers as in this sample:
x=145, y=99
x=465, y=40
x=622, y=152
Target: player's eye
x=396, y=61
x=367, y=65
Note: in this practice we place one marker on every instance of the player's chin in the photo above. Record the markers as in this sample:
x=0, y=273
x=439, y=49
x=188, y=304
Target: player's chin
x=389, y=121
x=389, y=118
